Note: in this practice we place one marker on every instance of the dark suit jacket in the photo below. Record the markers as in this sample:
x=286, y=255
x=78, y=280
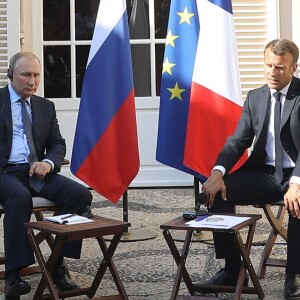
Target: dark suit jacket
x=48, y=141
x=253, y=125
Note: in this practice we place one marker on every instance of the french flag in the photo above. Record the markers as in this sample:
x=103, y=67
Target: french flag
x=216, y=101
x=105, y=152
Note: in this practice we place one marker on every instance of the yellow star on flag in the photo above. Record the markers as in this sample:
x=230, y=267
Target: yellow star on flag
x=176, y=92
x=170, y=38
x=185, y=16
x=167, y=66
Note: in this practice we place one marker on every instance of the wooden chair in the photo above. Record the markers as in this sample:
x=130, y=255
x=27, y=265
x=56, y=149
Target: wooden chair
x=277, y=228
x=40, y=205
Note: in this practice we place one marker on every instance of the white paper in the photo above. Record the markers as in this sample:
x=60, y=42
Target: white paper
x=68, y=219
x=217, y=221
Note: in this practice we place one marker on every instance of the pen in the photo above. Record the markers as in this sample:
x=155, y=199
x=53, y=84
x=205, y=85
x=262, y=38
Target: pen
x=201, y=218
x=68, y=216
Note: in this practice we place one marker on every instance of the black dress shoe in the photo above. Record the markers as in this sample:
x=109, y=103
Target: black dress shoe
x=62, y=279
x=15, y=285
x=223, y=277
x=292, y=286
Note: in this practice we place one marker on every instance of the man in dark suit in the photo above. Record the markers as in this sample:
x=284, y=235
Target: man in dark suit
x=17, y=169
x=263, y=177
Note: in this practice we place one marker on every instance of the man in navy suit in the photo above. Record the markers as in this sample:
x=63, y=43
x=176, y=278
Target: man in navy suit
x=16, y=169
x=260, y=180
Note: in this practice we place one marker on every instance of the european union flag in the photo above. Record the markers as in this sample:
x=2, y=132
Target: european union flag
x=178, y=66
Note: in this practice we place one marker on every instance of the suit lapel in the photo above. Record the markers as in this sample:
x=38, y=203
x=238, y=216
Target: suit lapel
x=290, y=101
x=264, y=117
x=7, y=114
x=264, y=111
x=37, y=114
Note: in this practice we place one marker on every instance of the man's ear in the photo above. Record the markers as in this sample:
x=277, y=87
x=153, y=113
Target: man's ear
x=10, y=74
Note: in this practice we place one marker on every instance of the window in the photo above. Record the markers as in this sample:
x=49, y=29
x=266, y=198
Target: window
x=57, y=50
x=62, y=46
x=68, y=28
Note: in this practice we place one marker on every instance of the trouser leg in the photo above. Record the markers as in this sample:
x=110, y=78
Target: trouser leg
x=17, y=201
x=293, y=245
x=71, y=197
x=243, y=187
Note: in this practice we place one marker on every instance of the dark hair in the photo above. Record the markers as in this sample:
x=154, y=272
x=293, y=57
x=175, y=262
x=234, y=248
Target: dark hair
x=282, y=46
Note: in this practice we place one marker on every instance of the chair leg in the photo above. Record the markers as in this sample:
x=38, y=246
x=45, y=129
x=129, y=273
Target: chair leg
x=2, y=273
x=277, y=229
x=38, y=213
x=2, y=259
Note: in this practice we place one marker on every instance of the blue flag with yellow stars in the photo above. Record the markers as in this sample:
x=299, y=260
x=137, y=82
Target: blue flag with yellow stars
x=178, y=65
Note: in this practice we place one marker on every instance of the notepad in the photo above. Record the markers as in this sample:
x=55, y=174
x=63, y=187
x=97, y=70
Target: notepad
x=217, y=221
x=68, y=219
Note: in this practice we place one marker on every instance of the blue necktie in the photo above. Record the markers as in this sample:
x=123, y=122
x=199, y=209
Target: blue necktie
x=278, y=146
x=35, y=182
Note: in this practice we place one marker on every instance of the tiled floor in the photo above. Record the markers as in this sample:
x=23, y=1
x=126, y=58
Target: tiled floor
x=146, y=267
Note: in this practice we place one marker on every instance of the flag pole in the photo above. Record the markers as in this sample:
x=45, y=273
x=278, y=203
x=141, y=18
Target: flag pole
x=198, y=235
x=125, y=208
x=131, y=235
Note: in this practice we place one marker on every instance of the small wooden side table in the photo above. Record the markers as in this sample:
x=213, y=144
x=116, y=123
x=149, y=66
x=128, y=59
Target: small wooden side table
x=97, y=229
x=180, y=259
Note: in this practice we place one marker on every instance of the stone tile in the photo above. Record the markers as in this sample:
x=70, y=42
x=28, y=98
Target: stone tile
x=146, y=267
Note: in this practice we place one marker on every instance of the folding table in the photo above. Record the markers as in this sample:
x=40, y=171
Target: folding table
x=63, y=233
x=180, y=259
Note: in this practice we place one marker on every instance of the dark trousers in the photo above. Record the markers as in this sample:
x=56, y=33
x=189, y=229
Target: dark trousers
x=16, y=196
x=250, y=187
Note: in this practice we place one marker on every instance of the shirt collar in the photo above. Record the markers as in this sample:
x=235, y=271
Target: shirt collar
x=282, y=91
x=14, y=97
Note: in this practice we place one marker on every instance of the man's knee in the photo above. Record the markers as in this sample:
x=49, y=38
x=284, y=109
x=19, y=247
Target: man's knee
x=19, y=202
x=86, y=196
x=83, y=198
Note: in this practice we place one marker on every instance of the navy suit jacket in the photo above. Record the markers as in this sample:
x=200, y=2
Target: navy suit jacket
x=253, y=126
x=48, y=141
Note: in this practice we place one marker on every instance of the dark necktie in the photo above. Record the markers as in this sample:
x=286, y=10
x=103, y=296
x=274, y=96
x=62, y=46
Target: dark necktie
x=36, y=183
x=278, y=146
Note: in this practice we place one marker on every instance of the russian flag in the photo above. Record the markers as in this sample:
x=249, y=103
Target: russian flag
x=216, y=100
x=105, y=151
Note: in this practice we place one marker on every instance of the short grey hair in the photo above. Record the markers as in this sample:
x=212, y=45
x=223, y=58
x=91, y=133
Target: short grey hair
x=282, y=46
x=15, y=58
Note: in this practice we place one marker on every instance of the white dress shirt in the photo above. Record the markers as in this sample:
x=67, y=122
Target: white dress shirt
x=20, y=151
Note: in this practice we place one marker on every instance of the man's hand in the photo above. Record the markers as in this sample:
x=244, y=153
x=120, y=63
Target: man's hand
x=292, y=200
x=212, y=186
x=40, y=169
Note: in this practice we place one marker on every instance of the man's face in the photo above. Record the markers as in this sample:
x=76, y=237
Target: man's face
x=278, y=70
x=26, y=76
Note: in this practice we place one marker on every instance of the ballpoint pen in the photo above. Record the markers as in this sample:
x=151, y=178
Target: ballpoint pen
x=68, y=216
x=201, y=218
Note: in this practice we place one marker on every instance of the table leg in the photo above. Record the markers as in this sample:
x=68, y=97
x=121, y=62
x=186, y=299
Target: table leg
x=180, y=261
x=247, y=265
x=112, y=266
x=46, y=272
x=107, y=262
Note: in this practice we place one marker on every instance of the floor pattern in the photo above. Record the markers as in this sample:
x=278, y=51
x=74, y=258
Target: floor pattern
x=146, y=267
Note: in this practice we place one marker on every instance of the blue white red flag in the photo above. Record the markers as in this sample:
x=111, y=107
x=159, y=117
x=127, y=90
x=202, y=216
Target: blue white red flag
x=216, y=98
x=105, y=151
x=205, y=88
